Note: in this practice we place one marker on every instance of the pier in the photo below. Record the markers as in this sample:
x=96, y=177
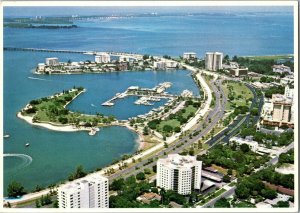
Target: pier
x=147, y=95
x=42, y=50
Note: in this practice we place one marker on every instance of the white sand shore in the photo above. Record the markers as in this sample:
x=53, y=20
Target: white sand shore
x=141, y=140
x=62, y=128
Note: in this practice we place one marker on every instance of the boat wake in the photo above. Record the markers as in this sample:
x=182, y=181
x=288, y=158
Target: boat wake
x=26, y=159
x=40, y=79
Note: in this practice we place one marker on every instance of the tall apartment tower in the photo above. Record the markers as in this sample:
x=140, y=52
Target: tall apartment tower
x=179, y=173
x=90, y=192
x=213, y=61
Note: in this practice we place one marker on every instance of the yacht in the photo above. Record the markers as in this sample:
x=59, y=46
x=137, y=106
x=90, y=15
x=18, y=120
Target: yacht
x=6, y=136
x=27, y=144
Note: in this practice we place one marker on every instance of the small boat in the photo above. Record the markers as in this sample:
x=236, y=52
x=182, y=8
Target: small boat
x=92, y=132
x=6, y=136
x=27, y=144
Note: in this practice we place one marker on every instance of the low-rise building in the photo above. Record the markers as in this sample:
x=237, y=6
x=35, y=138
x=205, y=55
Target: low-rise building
x=52, y=61
x=239, y=72
x=88, y=192
x=281, y=69
x=231, y=65
x=159, y=65
x=148, y=197
x=253, y=145
x=189, y=55
x=41, y=66
x=170, y=64
x=287, y=79
x=102, y=58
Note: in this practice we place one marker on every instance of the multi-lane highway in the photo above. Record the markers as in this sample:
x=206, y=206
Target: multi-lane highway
x=214, y=116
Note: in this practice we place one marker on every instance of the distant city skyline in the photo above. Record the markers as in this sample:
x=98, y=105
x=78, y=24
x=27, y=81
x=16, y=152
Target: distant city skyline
x=68, y=11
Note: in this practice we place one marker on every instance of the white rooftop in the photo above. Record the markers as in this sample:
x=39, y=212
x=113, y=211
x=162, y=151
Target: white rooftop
x=177, y=161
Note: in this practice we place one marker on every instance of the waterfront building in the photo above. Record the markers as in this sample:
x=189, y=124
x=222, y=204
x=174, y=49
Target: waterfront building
x=160, y=65
x=102, y=58
x=179, y=173
x=213, y=61
x=281, y=69
x=89, y=192
x=41, y=66
x=239, y=71
x=52, y=61
x=170, y=64
x=189, y=55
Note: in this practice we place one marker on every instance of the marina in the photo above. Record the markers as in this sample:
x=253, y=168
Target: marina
x=147, y=95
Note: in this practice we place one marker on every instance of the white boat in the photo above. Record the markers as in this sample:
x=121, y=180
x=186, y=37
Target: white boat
x=6, y=136
x=92, y=132
x=27, y=144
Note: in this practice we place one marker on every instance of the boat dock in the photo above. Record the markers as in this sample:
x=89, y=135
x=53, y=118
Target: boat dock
x=110, y=102
x=147, y=95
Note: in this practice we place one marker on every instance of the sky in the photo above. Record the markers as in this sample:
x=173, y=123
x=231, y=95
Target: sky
x=68, y=11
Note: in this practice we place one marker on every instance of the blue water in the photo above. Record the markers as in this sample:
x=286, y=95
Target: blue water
x=56, y=154
x=242, y=34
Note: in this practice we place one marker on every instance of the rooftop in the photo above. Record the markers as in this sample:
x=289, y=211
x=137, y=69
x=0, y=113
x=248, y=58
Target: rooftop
x=178, y=161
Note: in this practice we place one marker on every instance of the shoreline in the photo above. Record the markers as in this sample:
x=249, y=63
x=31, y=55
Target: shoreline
x=103, y=170
x=71, y=128
x=141, y=140
x=65, y=128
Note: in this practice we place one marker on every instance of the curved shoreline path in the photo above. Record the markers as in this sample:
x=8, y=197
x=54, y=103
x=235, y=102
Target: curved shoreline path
x=190, y=124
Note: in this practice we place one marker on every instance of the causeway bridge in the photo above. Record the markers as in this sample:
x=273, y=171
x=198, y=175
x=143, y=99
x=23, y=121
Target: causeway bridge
x=131, y=55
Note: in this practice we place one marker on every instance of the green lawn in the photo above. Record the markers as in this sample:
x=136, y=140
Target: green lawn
x=244, y=204
x=212, y=196
x=273, y=57
x=240, y=92
x=173, y=123
x=189, y=110
x=52, y=109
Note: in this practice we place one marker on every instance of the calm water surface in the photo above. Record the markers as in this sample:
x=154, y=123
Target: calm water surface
x=55, y=154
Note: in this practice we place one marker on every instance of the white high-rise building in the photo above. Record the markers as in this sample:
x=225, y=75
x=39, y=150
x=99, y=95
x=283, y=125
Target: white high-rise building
x=89, y=192
x=102, y=58
x=52, y=61
x=213, y=60
x=189, y=55
x=179, y=173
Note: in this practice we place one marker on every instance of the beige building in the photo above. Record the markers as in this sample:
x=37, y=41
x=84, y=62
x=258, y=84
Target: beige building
x=213, y=61
x=239, y=72
x=281, y=108
x=102, y=58
x=281, y=112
